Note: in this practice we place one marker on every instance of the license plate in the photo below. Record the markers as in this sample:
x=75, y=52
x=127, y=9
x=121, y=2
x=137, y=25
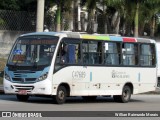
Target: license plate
x=22, y=92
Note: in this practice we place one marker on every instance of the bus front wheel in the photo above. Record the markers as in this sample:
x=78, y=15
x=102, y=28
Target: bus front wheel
x=125, y=97
x=22, y=97
x=60, y=97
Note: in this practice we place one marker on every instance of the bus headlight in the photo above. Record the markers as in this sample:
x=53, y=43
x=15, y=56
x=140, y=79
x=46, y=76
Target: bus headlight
x=7, y=77
x=43, y=77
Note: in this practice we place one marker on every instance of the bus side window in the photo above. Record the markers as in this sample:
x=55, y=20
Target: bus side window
x=92, y=52
x=64, y=56
x=153, y=54
x=71, y=59
x=85, y=55
x=69, y=53
x=112, y=53
x=77, y=54
x=147, y=54
x=130, y=54
x=59, y=53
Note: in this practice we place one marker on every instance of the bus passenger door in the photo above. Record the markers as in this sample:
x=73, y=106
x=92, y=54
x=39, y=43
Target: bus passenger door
x=75, y=75
x=79, y=73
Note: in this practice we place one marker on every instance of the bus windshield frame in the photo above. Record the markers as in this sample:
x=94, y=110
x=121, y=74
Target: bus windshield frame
x=32, y=50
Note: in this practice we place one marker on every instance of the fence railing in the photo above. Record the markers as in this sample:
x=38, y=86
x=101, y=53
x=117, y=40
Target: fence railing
x=17, y=20
x=26, y=21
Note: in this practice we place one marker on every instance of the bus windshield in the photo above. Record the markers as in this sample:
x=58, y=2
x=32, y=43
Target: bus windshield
x=33, y=50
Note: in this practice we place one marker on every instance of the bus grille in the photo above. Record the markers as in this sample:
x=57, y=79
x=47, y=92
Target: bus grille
x=27, y=88
x=19, y=72
x=24, y=80
x=21, y=77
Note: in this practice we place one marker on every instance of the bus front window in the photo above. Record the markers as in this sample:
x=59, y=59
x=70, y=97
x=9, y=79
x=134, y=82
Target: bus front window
x=29, y=51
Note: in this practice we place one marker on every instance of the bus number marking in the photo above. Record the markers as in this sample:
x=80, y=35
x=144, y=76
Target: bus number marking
x=78, y=74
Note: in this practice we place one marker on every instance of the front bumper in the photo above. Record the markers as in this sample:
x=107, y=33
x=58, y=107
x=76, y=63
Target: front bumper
x=38, y=88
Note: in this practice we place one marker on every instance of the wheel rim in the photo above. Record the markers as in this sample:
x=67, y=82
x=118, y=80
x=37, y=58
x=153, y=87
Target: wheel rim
x=126, y=94
x=61, y=95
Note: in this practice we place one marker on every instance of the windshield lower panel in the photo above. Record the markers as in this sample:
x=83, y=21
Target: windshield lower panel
x=33, y=51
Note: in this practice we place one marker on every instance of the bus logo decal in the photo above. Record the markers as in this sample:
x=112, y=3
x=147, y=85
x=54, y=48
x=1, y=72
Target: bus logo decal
x=119, y=74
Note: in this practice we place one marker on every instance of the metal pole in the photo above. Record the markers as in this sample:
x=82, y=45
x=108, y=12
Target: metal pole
x=40, y=15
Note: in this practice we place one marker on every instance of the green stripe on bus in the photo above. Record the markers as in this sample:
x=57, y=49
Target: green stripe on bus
x=95, y=37
x=103, y=37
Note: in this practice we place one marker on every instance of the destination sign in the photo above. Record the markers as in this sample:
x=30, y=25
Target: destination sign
x=38, y=42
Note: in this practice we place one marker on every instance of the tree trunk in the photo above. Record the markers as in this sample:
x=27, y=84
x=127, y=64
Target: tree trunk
x=75, y=15
x=90, y=26
x=58, y=19
x=115, y=22
x=153, y=26
x=105, y=24
x=71, y=22
x=82, y=22
x=136, y=20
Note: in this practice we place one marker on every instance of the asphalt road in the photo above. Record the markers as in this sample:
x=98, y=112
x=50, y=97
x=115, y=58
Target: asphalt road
x=138, y=103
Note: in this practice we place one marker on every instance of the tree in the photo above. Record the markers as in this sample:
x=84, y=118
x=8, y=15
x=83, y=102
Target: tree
x=114, y=8
x=18, y=5
x=9, y=5
x=137, y=3
x=62, y=6
x=153, y=7
x=91, y=8
x=58, y=16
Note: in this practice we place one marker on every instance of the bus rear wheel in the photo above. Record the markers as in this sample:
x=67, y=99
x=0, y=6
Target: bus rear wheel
x=23, y=97
x=60, y=97
x=125, y=97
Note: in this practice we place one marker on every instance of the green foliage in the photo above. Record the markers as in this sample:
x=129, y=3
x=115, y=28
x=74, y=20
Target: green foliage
x=2, y=21
x=2, y=65
x=9, y=4
x=127, y=9
x=18, y=5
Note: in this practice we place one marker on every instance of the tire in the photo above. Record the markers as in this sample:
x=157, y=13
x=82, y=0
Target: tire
x=125, y=97
x=23, y=98
x=60, y=98
x=89, y=98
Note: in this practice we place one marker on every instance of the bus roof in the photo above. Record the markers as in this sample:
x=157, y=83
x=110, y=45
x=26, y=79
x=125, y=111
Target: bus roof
x=93, y=36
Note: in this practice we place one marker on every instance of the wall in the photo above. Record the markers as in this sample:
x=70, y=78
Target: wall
x=7, y=39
